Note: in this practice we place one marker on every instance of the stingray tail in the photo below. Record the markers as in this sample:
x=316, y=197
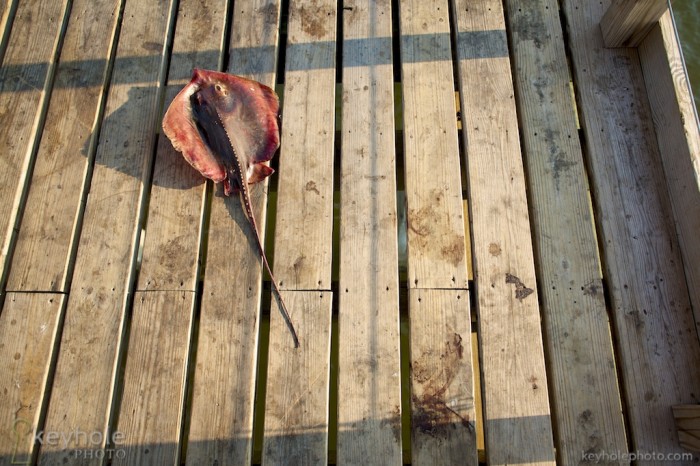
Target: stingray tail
x=283, y=307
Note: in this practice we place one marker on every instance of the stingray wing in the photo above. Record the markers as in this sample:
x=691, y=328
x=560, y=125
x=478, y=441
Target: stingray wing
x=248, y=112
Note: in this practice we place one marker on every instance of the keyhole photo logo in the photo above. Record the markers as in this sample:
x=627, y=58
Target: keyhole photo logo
x=77, y=443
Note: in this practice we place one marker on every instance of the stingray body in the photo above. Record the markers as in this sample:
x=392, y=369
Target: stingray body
x=227, y=128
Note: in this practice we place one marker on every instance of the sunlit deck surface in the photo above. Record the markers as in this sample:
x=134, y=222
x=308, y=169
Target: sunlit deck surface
x=484, y=223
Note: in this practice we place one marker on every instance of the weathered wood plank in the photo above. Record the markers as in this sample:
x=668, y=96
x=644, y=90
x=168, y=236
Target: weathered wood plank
x=296, y=404
x=431, y=153
x=25, y=84
x=87, y=365
x=585, y=392
x=171, y=245
x=28, y=326
x=221, y=423
x=150, y=419
x=678, y=135
x=516, y=404
x=659, y=352
x=369, y=381
x=8, y=8
x=627, y=22
x=305, y=193
x=41, y=260
x=443, y=420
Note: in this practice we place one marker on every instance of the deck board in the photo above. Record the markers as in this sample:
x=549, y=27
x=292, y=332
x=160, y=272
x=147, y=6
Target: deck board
x=442, y=392
x=652, y=319
x=28, y=326
x=95, y=314
x=515, y=392
x=296, y=404
x=577, y=333
x=46, y=238
x=433, y=188
x=678, y=135
x=305, y=193
x=442, y=386
x=151, y=409
x=369, y=382
x=25, y=85
x=221, y=425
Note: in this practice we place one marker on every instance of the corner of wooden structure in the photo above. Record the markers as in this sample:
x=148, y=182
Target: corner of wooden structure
x=627, y=22
x=688, y=426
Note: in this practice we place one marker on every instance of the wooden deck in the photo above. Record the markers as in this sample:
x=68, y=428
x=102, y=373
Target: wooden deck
x=484, y=224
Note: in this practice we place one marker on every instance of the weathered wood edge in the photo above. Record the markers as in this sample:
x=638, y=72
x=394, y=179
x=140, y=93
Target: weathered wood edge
x=678, y=136
x=643, y=267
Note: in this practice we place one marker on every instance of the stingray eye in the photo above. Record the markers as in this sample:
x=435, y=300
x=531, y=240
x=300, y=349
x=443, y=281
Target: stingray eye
x=220, y=89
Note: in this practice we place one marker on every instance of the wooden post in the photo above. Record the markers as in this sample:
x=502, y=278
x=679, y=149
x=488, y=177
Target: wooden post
x=627, y=22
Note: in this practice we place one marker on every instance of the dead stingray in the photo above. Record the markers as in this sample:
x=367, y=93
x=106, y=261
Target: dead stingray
x=227, y=128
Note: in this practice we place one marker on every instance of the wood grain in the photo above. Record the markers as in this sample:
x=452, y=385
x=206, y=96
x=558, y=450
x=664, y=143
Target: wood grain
x=436, y=244
x=45, y=243
x=28, y=326
x=515, y=388
x=296, y=403
x=369, y=381
x=678, y=136
x=688, y=426
x=106, y=255
x=585, y=393
x=221, y=425
x=151, y=411
x=652, y=319
x=443, y=419
x=305, y=203
x=25, y=85
x=627, y=22
x=173, y=233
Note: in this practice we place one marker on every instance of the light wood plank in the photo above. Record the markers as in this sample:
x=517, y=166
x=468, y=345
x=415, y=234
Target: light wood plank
x=678, y=135
x=516, y=403
x=305, y=202
x=369, y=372
x=296, y=404
x=44, y=246
x=627, y=22
x=658, y=352
x=109, y=239
x=28, y=325
x=221, y=425
x=433, y=187
x=688, y=426
x=8, y=9
x=585, y=392
x=150, y=419
x=171, y=246
x=443, y=420
x=25, y=84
